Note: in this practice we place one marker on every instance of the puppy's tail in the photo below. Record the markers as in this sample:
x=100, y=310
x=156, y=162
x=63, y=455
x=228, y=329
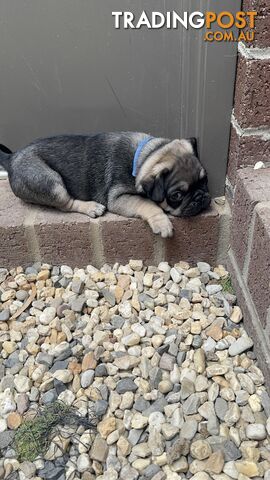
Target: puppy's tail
x=5, y=155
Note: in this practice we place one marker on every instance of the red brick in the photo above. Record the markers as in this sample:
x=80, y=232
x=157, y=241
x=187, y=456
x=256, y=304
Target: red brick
x=252, y=187
x=194, y=238
x=125, y=238
x=259, y=265
x=262, y=22
x=70, y=238
x=64, y=238
x=14, y=248
x=250, y=317
x=246, y=151
x=262, y=32
x=252, y=93
x=259, y=6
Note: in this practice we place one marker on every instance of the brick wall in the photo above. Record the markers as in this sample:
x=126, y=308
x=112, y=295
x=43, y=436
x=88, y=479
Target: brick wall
x=249, y=256
x=249, y=189
x=250, y=129
x=30, y=233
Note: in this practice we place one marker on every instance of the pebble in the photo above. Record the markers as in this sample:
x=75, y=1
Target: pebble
x=215, y=463
x=28, y=469
x=167, y=362
x=131, y=340
x=159, y=355
x=180, y=447
x=151, y=471
x=246, y=383
x=49, y=397
x=164, y=267
x=156, y=419
x=101, y=407
x=201, y=383
x=139, y=421
x=6, y=438
x=203, y=267
x=231, y=452
x=44, y=359
x=142, y=450
x=99, y=450
x=254, y=402
x=22, y=383
x=236, y=315
x=213, y=426
x=14, y=420
x=191, y=405
x=48, y=314
x=127, y=472
x=165, y=386
x=125, y=309
x=199, y=360
x=187, y=388
x=136, y=265
x=189, y=429
x=212, y=289
x=126, y=385
x=64, y=376
x=169, y=431
x=232, y=415
x=4, y=315
x=221, y=408
x=175, y=275
x=87, y=378
x=242, y=397
x=256, y=431
x=200, y=449
x=83, y=462
x=230, y=470
x=247, y=468
x=214, y=370
x=78, y=303
x=201, y=476
x=22, y=401
x=241, y=345
x=107, y=426
x=209, y=345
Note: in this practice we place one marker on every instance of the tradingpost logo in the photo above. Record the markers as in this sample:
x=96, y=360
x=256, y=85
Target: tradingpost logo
x=225, y=21
x=218, y=25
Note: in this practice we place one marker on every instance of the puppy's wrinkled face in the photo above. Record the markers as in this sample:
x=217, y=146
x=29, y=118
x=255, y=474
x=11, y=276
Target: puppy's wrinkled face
x=180, y=187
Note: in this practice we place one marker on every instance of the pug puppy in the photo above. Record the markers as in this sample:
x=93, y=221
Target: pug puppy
x=130, y=174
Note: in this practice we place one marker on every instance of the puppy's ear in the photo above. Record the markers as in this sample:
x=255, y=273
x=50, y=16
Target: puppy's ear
x=193, y=142
x=154, y=187
x=203, y=175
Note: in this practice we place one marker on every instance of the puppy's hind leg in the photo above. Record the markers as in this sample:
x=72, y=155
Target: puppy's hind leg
x=92, y=209
x=68, y=204
x=64, y=202
x=38, y=183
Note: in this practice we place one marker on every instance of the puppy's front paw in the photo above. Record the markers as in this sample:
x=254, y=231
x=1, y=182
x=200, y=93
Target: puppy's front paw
x=161, y=224
x=94, y=209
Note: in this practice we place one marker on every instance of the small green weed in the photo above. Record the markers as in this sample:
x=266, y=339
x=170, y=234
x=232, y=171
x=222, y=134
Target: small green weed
x=226, y=284
x=33, y=437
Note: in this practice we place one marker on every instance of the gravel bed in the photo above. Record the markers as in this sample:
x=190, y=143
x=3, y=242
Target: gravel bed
x=159, y=355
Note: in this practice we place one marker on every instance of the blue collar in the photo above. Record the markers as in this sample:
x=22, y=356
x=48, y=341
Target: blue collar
x=137, y=154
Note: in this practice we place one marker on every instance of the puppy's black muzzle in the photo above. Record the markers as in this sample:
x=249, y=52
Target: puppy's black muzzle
x=199, y=201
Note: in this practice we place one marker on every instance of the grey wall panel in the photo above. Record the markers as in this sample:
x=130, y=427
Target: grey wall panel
x=64, y=68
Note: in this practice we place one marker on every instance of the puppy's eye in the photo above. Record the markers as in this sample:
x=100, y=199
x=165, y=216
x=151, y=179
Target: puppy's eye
x=176, y=196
